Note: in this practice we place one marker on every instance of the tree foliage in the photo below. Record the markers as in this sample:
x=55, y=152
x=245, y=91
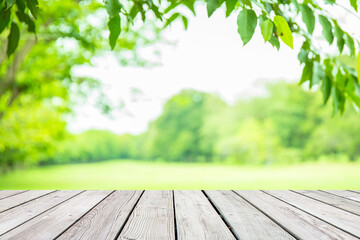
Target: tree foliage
x=289, y=125
x=278, y=20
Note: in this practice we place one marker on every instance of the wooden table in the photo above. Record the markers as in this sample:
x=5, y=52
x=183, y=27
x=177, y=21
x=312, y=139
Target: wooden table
x=48, y=214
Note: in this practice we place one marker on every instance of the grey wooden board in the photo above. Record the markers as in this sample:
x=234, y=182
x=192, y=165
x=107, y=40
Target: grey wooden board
x=197, y=219
x=334, y=200
x=340, y=218
x=21, y=198
x=8, y=193
x=152, y=218
x=355, y=191
x=53, y=222
x=18, y=215
x=346, y=194
x=106, y=219
x=301, y=224
x=238, y=212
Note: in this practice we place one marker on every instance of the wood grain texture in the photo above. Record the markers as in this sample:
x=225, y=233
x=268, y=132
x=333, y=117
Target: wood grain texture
x=21, y=198
x=238, y=212
x=8, y=193
x=197, y=219
x=301, y=224
x=53, y=222
x=18, y=215
x=152, y=218
x=340, y=218
x=334, y=200
x=345, y=194
x=106, y=219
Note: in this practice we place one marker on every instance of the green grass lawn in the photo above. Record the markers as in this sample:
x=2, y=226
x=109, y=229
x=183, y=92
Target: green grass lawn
x=126, y=174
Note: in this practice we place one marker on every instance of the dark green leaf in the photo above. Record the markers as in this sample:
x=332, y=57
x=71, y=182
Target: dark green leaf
x=327, y=29
x=308, y=17
x=114, y=25
x=267, y=28
x=4, y=19
x=211, y=6
x=230, y=6
x=13, y=39
x=339, y=100
x=326, y=88
x=33, y=6
x=23, y=17
x=339, y=34
x=246, y=21
x=274, y=41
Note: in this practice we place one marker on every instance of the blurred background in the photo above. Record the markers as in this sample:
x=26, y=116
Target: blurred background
x=166, y=109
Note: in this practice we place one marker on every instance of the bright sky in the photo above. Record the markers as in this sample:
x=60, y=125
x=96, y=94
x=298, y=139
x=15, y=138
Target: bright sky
x=208, y=57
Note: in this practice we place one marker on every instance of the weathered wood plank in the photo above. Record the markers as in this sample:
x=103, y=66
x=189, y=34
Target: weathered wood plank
x=346, y=221
x=21, y=198
x=18, y=215
x=300, y=224
x=345, y=194
x=197, y=219
x=52, y=223
x=238, y=212
x=355, y=191
x=334, y=200
x=152, y=218
x=8, y=193
x=106, y=219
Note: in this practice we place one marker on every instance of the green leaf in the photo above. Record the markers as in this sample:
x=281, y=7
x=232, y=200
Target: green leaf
x=211, y=6
x=307, y=72
x=23, y=17
x=230, y=6
x=283, y=30
x=114, y=25
x=33, y=5
x=274, y=41
x=267, y=28
x=171, y=19
x=354, y=4
x=318, y=74
x=308, y=17
x=13, y=39
x=327, y=29
x=185, y=22
x=246, y=21
x=358, y=66
x=326, y=88
x=5, y=19
x=339, y=34
x=190, y=5
x=113, y=7
x=339, y=100
x=350, y=43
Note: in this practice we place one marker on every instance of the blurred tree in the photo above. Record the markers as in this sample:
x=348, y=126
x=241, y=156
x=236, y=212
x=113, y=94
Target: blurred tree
x=26, y=136
x=178, y=134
